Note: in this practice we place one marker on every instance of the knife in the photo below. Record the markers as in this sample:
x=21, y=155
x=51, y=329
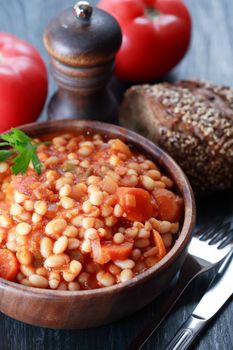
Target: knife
x=217, y=294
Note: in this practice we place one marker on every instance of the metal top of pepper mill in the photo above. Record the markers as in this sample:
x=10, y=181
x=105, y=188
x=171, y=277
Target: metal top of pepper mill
x=83, y=36
x=83, y=10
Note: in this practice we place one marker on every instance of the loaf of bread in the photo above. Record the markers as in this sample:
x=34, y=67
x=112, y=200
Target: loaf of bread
x=193, y=121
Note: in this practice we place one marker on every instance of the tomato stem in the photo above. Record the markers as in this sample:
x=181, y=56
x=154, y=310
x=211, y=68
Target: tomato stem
x=151, y=13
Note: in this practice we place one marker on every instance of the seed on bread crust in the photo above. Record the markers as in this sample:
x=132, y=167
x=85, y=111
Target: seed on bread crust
x=193, y=122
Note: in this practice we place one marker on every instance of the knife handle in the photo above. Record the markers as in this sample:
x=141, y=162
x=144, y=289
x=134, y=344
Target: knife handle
x=186, y=334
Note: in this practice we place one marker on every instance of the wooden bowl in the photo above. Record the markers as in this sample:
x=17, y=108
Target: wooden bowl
x=84, y=309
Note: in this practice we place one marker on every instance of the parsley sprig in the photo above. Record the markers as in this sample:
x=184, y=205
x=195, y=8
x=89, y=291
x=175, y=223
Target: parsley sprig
x=20, y=146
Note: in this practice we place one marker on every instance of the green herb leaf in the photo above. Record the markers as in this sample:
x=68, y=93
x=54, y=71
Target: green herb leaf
x=5, y=154
x=23, y=148
x=15, y=137
x=21, y=162
x=4, y=144
x=36, y=163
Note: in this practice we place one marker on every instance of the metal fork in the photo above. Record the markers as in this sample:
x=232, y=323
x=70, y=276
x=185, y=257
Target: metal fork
x=208, y=248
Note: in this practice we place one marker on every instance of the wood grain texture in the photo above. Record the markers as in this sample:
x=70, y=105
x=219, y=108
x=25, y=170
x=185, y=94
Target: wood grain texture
x=210, y=57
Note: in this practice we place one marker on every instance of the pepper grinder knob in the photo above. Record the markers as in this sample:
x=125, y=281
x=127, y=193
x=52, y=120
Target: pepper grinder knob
x=82, y=43
x=83, y=10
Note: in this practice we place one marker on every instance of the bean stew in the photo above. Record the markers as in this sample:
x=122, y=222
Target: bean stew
x=98, y=214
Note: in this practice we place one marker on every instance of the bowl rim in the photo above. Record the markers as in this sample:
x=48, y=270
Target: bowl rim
x=149, y=148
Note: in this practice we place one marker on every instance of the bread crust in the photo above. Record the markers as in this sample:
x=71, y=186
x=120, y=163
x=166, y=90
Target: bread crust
x=193, y=121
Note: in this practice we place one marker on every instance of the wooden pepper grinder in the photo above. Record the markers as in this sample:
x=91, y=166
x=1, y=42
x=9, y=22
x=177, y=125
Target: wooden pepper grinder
x=82, y=43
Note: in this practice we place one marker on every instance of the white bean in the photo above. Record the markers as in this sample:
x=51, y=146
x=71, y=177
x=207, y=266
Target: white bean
x=57, y=260
x=126, y=275
x=125, y=264
x=105, y=278
x=60, y=245
x=55, y=226
x=46, y=247
x=38, y=281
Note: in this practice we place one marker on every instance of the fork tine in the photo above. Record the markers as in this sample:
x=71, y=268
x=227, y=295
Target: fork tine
x=199, y=231
x=209, y=230
x=215, y=231
x=221, y=234
x=227, y=241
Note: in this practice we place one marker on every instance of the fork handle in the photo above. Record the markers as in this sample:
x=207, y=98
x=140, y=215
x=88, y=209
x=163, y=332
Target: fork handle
x=186, y=334
x=190, y=269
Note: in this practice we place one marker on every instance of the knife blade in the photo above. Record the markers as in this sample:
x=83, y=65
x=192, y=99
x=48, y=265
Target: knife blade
x=216, y=296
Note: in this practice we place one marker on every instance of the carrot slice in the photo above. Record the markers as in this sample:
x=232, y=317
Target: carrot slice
x=9, y=265
x=135, y=202
x=159, y=244
x=106, y=251
x=170, y=205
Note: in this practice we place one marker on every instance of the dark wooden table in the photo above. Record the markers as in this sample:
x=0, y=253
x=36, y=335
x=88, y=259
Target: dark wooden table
x=210, y=57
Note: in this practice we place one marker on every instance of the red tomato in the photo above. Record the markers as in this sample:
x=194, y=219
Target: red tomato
x=23, y=82
x=156, y=36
